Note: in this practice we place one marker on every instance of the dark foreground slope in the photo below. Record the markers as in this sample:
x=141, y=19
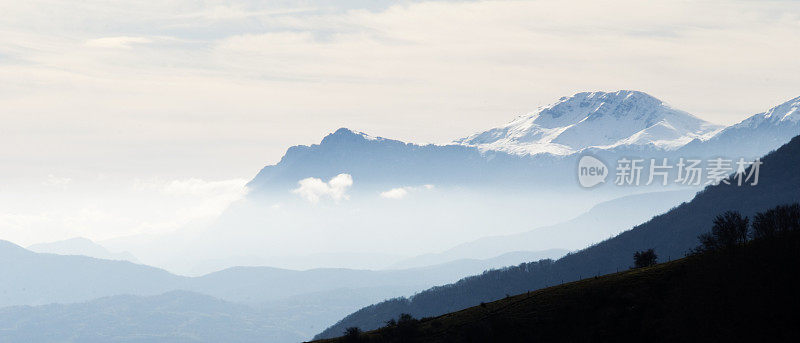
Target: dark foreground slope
x=671, y=234
x=751, y=293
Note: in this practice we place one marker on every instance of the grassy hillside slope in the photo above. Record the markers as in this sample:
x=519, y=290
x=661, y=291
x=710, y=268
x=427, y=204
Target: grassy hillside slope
x=749, y=294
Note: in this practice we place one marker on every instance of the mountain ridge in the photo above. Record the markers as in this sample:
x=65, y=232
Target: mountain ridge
x=610, y=124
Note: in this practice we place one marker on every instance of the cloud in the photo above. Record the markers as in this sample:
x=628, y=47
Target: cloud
x=121, y=42
x=394, y=193
x=56, y=181
x=199, y=187
x=313, y=189
x=423, y=71
x=402, y=192
x=222, y=13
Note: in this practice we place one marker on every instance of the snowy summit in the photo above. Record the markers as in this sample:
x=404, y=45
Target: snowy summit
x=595, y=120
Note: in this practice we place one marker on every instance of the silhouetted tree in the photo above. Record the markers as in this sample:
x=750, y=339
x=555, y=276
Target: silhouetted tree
x=776, y=221
x=764, y=225
x=352, y=335
x=644, y=258
x=407, y=328
x=729, y=230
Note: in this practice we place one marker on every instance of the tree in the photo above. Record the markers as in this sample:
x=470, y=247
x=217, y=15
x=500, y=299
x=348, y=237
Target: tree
x=352, y=334
x=765, y=225
x=644, y=258
x=729, y=230
x=776, y=221
x=407, y=327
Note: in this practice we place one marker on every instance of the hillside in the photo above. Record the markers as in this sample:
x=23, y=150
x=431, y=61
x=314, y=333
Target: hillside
x=671, y=235
x=746, y=294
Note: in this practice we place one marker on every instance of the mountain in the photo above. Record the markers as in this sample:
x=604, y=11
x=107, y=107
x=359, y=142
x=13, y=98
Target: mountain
x=382, y=162
x=292, y=303
x=747, y=296
x=595, y=119
x=29, y=278
x=473, y=192
x=671, y=234
x=602, y=221
x=170, y=317
x=753, y=136
x=81, y=246
x=609, y=124
x=507, y=257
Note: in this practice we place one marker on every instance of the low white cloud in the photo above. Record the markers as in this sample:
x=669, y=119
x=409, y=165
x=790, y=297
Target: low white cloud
x=313, y=189
x=402, y=192
x=121, y=42
x=394, y=193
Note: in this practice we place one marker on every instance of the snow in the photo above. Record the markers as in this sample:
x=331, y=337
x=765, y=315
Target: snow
x=595, y=120
x=787, y=112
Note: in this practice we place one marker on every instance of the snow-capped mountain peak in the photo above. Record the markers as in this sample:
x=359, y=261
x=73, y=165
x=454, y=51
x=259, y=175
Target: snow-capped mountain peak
x=787, y=112
x=595, y=119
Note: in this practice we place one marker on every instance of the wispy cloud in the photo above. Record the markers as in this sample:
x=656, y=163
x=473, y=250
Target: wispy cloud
x=122, y=42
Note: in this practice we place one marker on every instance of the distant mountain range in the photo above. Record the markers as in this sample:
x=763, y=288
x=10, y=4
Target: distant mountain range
x=602, y=221
x=82, y=246
x=609, y=124
x=289, y=303
x=29, y=278
x=176, y=316
x=671, y=234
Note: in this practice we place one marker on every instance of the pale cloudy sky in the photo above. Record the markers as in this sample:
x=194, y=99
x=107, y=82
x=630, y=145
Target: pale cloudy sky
x=210, y=91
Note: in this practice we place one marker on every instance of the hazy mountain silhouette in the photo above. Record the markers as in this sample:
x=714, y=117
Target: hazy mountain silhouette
x=599, y=223
x=172, y=317
x=294, y=304
x=29, y=278
x=81, y=246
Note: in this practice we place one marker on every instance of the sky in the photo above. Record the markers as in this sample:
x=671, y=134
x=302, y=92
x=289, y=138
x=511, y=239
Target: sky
x=123, y=117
